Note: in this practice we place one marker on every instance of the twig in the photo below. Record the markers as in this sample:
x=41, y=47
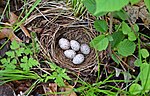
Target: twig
x=124, y=62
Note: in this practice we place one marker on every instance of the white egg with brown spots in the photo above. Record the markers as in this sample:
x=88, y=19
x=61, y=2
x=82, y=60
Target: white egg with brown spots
x=70, y=53
x=78, y=59
x=75, y=45
x=64, y=44
x=85, y=49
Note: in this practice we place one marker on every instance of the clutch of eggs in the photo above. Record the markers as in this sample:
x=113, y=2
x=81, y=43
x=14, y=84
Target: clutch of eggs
x=75, y=46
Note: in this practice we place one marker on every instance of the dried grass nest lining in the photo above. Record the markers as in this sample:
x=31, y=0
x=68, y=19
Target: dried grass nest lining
x=82, y=35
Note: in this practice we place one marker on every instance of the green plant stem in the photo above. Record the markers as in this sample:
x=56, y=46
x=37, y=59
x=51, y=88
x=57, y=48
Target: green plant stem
x=146, y=79
x=145, y=35
x=4, y=44
x=27, y=93
x=97, y=57
x=4, y=10
x=110, y=32
x=26, y=16
x=139, y=48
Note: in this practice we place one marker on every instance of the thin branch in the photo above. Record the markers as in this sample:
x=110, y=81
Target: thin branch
x=124, y=62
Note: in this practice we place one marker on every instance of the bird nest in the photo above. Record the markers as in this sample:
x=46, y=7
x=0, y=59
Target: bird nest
x=80, y=34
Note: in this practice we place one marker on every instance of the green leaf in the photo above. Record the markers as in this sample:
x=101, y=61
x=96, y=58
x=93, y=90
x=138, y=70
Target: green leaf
x=24, y=59
x=32, y=62
x=109, y=5
x=110, y=38
x=10, y=54
x=53, y=66
x=19, y=51
x=7, y=61
x=26, y=63
x=57, y=74
x=14, y=45
x=4, y=60
x=126, y=47
x=90, y=5
x=100, y=42
x=137, y=63
x=144, y=53
x=121, y=15
x=59, y=81
x=115, y=59
x=145, y=76
x=136, y=27
x=14, y=61
x=117, y=38
x=28, y=51
x=147, y=3
x=134, y=1
x=117, y=27
x=9, y=66
x=135, y=89
x=100, y=25
x=125, y=28
x=131, y=36
x=65, y=76
x=25, y=66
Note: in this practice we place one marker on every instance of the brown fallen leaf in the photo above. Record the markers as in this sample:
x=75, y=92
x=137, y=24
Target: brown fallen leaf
x=50, y=88
x=13, y=19
x=8, y=32
x=53, y=88
x=139, y=11
x=69, y=88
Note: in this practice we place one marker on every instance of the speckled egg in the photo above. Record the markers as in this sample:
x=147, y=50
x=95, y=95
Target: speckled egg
x=85, y=49
x=74, y=45
x=70, y=53
x=64, y=44
x=78, y=59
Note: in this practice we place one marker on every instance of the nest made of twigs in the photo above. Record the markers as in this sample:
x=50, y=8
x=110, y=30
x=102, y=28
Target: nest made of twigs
x=80, y=34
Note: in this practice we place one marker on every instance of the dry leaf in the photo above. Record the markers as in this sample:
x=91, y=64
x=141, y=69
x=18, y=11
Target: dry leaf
x=7, y=32
x=133, y=12
x=69, y=88
x=13, y=19
x=51, y=87
x=139, y=11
